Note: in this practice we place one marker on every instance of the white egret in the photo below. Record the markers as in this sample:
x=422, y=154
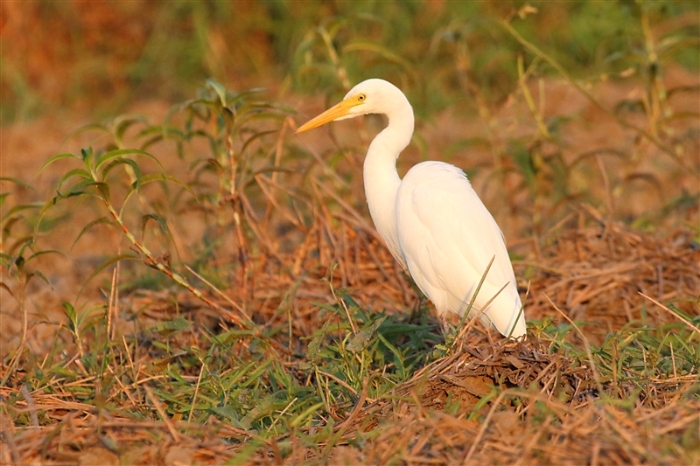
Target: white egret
x=432, y=221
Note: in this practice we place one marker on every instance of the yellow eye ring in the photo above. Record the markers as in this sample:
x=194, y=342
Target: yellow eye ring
x=361, y=97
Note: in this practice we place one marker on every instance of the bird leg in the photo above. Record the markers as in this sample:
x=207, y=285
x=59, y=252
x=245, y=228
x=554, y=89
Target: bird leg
x=415, y=316
x=444, y=324
x=420, y=312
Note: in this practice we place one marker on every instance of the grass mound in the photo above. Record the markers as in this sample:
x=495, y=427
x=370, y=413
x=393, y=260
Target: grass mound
x=319, y=377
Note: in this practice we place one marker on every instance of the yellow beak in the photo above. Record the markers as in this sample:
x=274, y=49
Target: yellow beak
x=333, y=113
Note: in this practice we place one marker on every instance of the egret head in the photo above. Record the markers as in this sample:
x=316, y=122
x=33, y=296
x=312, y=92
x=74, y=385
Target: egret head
x=370, y=96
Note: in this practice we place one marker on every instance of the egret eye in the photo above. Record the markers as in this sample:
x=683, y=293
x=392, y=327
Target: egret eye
x=361, y=97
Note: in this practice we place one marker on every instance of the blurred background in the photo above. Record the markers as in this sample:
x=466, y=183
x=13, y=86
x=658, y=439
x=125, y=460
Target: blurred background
x=100, y=57
x=556, y=101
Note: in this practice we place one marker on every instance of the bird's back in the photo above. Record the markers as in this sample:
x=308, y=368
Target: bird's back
x=448, y=237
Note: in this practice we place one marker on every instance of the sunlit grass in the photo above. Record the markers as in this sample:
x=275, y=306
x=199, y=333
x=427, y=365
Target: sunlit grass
x=245, y=297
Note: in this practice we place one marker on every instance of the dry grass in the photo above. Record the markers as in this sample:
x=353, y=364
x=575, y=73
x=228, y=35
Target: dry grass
x=259, y=318
x=534, y=402
x=607, y=277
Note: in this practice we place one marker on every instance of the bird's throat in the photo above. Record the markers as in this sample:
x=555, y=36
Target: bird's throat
x=382, y=184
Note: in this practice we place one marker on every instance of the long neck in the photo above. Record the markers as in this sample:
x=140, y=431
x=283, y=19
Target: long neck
x=381, y=178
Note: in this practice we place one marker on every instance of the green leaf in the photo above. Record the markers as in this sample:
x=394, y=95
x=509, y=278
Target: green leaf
x=219, y=89
x=103, y=188
x=44, y=252
x=124, y=124
x=146, y=179
x=122, y=153
x=331, y=308
x=134, y=166
x=79, y=189
x=75, y=190
x=86, y=155
x=111, y=260
x=193, y=107
x=360, y=341
x=16, y=181
x=352, y=305
x=307, y=412
x=21, y=207
x=43, y=278
x=7, y=288
x=256, y=112
x=160, y=220
x=255, y=137
x=398, y=356
x=71, y=314
x=165, y=177
x=63, y=371
x=19, y=262
x=171, y=326
x=97, y=221
x=53, y=159
x=5, y=258
x=230, y=414
x=90, y=127
x=159, y=133
x=315, y=343
x=246, y=93
x=80, y=172
x=262, y=408
x=21, y=244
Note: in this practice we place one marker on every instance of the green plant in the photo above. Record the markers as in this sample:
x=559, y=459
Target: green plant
x=18, y=253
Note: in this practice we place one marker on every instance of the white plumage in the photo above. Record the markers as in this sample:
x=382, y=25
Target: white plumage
x=432, y=221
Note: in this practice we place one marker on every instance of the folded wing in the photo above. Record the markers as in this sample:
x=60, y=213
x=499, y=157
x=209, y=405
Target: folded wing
x=448, y=238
